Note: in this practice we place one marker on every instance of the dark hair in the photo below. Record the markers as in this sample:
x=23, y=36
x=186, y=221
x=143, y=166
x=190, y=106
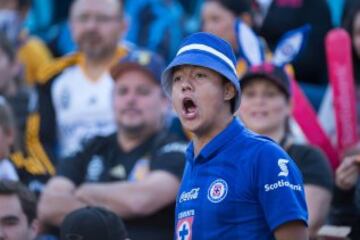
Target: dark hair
x=237, y=7
x=27, y=198
x=7, y=119
x=24, y=4
x=93, y=223
x=8, y=122
x=348, y=24
x=7, y=47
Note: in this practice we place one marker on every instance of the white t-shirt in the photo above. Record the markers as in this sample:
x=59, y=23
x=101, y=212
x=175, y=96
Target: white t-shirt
x=83, y=108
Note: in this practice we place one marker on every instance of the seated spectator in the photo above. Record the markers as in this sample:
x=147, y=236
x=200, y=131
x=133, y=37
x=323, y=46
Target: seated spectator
x=352, y=25
x=17, y=212
x=46, y=19
x=348, y=6
x=12, y=88
x=192, y=11
x=310, y=66
x=93, y=223
x=156, y=25
x=134, y=172
x=219, y=17
x=31, y=51
x=266, y=109
x=346, y=203
x=32, y=164
x=68, y=119
x=7, y=138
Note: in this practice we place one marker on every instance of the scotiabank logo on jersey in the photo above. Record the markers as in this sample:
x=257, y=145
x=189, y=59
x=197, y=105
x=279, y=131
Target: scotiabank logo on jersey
x=184, y=226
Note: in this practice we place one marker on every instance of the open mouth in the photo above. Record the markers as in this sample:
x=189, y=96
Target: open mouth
x=259, y=114
x=189, y=107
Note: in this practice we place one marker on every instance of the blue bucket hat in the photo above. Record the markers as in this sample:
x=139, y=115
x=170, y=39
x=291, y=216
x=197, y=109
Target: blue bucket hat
x=205, y=50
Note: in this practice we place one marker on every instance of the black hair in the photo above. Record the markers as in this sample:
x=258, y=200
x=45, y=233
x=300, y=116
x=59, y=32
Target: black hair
x=348, y=24
x=24, y=4
x=27, y=198
x=6, y=116
x=237, y=7
x=7, y=48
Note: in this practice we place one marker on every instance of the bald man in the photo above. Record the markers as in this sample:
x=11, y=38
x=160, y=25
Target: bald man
x=75, y=91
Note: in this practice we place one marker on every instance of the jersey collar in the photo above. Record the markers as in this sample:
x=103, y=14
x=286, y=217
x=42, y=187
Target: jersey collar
x=214, y=146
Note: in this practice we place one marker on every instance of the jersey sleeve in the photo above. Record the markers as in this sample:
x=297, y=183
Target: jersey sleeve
x=33, y=54
x=280, y=187
x=170, y=157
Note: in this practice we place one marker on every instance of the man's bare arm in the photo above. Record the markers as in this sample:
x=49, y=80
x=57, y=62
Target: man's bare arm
x=295, y=230
x=318, y=201
x=57, y=200
x=132, y=199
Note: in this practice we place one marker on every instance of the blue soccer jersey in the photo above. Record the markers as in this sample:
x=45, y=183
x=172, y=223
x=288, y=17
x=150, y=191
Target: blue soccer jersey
x=240, y=186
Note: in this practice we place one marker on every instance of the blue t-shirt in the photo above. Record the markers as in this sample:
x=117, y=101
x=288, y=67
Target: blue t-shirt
x=240, y=186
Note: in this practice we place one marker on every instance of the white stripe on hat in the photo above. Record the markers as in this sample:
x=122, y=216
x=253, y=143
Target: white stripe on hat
x=208, y=49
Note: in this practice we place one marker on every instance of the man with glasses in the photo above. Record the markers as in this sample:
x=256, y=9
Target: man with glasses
x=75, y=91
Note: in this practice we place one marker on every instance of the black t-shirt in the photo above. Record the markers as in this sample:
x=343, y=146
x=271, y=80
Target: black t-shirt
x=102, y=160
x=313, y=165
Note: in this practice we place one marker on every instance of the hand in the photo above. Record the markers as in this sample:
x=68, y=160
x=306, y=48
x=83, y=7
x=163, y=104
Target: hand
x=347, y=173
x=353, y=150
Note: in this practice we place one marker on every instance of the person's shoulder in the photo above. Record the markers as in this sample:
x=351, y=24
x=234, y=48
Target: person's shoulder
x=255, y=149
x=109, y=139
x=168, y=142
x=99, y=144
x=52, y=69
x=304, y=151
x=302, y=147
x=251, y=141
x=310, y=157
x=34, y=44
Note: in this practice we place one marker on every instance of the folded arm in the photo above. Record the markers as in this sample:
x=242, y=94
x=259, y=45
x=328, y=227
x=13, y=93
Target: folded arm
x=57, y=200
x=132, y=199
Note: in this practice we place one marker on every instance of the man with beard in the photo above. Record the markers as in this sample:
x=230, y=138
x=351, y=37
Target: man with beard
x=134, y=172
x=75, y=91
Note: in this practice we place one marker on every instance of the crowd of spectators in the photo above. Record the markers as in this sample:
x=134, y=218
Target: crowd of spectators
x=85, y=125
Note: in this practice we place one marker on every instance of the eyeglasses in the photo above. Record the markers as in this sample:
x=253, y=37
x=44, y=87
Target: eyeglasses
x=84, y=18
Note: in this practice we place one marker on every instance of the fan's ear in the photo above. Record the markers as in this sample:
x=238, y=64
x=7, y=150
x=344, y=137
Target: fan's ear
x=250, y=46
x=290, y=45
